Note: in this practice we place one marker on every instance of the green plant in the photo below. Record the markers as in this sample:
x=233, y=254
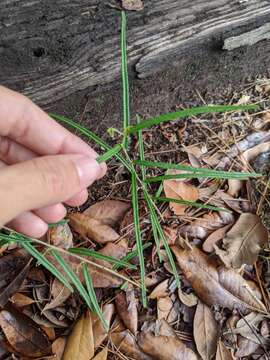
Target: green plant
x=137, y=169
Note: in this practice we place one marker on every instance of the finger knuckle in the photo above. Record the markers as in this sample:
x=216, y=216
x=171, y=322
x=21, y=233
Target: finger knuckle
x=5, y=148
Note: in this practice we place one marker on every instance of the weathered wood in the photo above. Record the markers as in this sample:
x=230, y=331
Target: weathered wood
x=50, y=49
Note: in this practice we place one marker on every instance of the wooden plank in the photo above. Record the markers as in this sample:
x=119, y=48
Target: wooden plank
x=50, y=49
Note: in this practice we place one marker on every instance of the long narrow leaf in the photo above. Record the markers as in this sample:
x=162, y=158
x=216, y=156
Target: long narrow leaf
x=73, y=277
x=130, y=256
x=109, y=154
x=209, y=172
x=135, y=205
x=187, y=113
x=99, y=256
x=92, y=296
x=124, y=72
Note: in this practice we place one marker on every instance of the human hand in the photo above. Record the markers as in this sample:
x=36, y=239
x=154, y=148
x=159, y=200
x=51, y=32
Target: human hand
x=42, y=166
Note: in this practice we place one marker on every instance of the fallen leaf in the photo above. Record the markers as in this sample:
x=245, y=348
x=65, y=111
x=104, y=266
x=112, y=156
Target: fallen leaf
x=102, y=355
x=243, y=242
x=235, y=186
x=245, y=347
x=135, y=5
x=49, y=331
x=162, y=347
x=109, y=212
x=255, y=151
x=216, y=285
x=248, y=327
x=60, y=236
x=58, y=347
x=80, y=344
x=180, y=190
x=125, y=343
x=205, y=331
x=166, y=309
x=21, y=300
x=223, y=353
x=161, y=290
x=93, y=229
x=100, y=334
x=126, y=305
x=11, y=264
x=212, y=239
x=189, y=300
x=23, y=334
x=59, y=294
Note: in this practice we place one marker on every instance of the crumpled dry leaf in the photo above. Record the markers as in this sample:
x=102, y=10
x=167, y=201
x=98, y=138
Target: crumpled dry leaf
x=135, y=5
x=80, y=344
x=92, y=228
x=216, y=286
x=102, y=355
x=205, y=331
x=180, y=190
x=126, y=305
x=58, y=347
x=208, y=245
x=109, y=212
x=125, y=343
x=162, y=343
x=223, y=353
x=243, y=242
x=161, y=290
x=99, y=333
x=248, y=327
x=21, y=300
x=59, y=294
x=189, y=300
x=23, y=334
x=60, y=236
x=167, y=309
x=245, y=347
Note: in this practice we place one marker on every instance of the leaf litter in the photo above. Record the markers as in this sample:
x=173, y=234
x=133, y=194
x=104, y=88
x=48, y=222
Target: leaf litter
x=220, y=310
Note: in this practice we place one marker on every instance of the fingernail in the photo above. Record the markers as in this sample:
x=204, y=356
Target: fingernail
x=88, y=170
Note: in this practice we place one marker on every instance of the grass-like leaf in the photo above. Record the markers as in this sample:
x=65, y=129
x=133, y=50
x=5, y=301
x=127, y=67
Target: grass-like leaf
x=220, y=174
x=92, y=296
x=188, y=113
x=191, y=203
x=73, y=277
x=135, y=205
x=130, y=256
x=124, y=73
x=96, y=255
x=109, y=154
x=61, y=222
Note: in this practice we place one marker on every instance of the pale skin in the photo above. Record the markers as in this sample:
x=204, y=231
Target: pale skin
x=42, y=167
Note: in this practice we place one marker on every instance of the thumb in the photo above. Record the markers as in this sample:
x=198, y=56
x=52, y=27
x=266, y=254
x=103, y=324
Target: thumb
x=44, y=181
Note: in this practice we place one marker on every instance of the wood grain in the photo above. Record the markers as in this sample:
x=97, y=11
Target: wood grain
x=50, y=49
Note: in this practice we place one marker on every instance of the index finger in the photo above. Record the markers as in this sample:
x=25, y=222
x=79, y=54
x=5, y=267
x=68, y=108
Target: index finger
x=24, y=122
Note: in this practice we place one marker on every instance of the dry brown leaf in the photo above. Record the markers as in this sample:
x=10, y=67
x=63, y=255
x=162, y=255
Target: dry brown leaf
x=189, y=300
x=216, y=286
x=58, y=347
x=180, y=190
x=100, y=334
x=248, y=327
x=162, y=347
x=255, y=151
x=59, y=294
x=126, y=305
x=21, y=300
x=161, y=290
x=235, y=186
x=135, y=5
x=245, y=347
x=80, y=344
x=93, y=229
x=102, y=355
x=223, y=353
x=23, y=334
x=109, y=212
x=125, y=343
x=205, y=331
x=166, y=309
x=60, y=236
x=49, y=331
x=243, y=242
x=208, y=245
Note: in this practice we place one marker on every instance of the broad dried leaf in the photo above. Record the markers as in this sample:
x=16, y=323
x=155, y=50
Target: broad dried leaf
x=208, y=245
x=126, y=305
x=93, y=229
x=109, y=212
x=135, y=5
x=60, y=236
x=180, y=190
x=125, y=343
x=205, y=331
x=23, y=334
x=166, y=309
x=21, y=300
x=243, y=242
x=189, y=300
x=223, y=353
x=161, y=290
x=11, y=264
x=255, y=151
x=58, y=347
x=162, y=347
x=235, y=186
x=59, y=294
x=102, y=355
x=100, y=334
x=80, y=344
x=248, y=327
x=216, y=286
x=245, y=347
